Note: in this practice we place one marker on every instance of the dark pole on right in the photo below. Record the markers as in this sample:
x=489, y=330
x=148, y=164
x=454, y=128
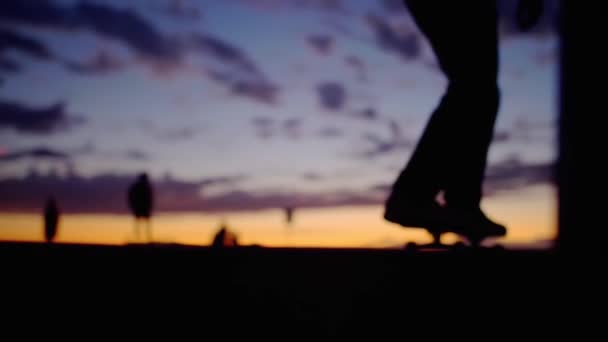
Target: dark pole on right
x=581, y=171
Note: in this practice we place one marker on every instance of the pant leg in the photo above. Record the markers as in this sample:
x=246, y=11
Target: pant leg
x=451, y=154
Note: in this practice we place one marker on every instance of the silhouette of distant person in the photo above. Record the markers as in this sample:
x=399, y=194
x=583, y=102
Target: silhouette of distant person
x=450, y=157
x=51, y=219
x=289, y=215
x=224, y=238
x=141, y=201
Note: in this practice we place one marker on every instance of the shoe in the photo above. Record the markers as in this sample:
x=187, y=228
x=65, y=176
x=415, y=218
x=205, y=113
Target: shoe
x=407, y=213
x=473, y=224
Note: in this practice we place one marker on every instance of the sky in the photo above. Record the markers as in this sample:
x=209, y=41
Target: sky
x=238, y=108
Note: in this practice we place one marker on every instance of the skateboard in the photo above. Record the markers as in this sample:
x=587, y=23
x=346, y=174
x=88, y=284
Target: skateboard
x=466, y=243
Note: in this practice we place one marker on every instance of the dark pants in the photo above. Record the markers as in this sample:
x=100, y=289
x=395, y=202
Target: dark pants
x=452, y=152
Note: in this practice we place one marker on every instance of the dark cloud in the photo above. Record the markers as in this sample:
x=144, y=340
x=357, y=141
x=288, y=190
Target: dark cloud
x=332, y=95
x=180, y=10
x=35, y=153
x=267, y=127
x=36, y=120
x=513, y=174
x=170, y=134
x=368, y=114
x=122, y=25
x=20, y=42
x=137, y=155
x=547, y=24
x=358, y=66
x=312, y=176
x=9, y=65
x=322, y=44
x=235, y=69
x=330, y=132
x=127, y=26
x=292, y=128
x=502, y=137
x=264, y=127
x=383, y=146
x=102, y=62
x=255, y=89
x=393, y=5
x=239, y=74
x=406, y=44
x=103, y=193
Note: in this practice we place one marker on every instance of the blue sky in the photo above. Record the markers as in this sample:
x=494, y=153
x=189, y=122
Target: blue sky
x=283, y=96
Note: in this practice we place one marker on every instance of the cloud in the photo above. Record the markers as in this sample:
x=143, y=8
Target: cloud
x=312, y=176
x=502, y=137
x=20, y=42
x=292, y=128
x=267, y=128
x=178, y=9
x=332, y=95
x=234, y=68
x=393, y=5
x=322, y=44
x=368, y=114
x=35, y=153
x=264, y=127
x=28, y=120
x=124, y=25
x=330, y=132
x=405, y=44
x=547, y=24
x=136, y=155
x=9, y=65
x=512, y=174
x=358, y=66
x=106, y=193
x=102, y=62
x=383, y=146
x=170, y=134
x=239, y=74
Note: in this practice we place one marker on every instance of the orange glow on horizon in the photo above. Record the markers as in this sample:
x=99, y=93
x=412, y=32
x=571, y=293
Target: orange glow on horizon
x=529, y=219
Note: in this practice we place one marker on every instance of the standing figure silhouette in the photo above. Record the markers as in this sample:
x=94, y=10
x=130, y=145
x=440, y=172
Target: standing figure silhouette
x=141, y=200
x=51, y=219
x=450, y=157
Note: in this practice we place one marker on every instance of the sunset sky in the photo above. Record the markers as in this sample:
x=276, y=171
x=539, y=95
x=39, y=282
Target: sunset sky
x=238, y=108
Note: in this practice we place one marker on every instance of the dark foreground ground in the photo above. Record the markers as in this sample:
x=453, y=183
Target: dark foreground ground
x=309, y=292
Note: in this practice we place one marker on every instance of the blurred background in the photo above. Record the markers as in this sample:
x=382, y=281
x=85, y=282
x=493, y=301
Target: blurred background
x=285, y=120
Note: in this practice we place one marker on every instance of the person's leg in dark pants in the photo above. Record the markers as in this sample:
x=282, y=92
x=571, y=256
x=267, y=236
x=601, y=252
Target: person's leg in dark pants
x=451, y=154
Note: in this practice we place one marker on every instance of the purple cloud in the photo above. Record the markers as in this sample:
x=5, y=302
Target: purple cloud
x=332, y=95
x=368, y=114
x=122, y=25
x=102, y=62
x=180, y=10
x=234, y=68
x=20, y=42
x=358, y=66
x=383, y=146
x=330, y=132
x=512, y=174
x=9, y=65
x=406, y=45
x=36, y=120
x=35, y=153
x=322, y=44
x=103, y=193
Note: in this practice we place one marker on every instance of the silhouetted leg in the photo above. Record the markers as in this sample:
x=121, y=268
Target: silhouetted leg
x=451, y=154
